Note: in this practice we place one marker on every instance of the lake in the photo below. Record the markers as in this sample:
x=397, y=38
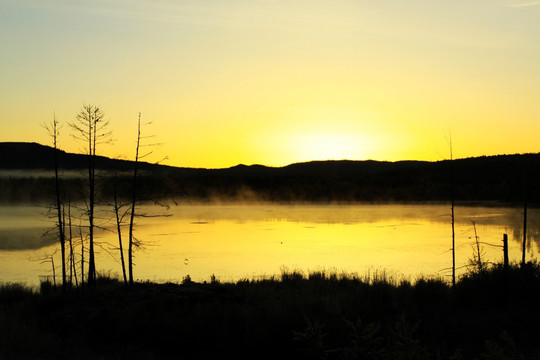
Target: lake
x=251, y=241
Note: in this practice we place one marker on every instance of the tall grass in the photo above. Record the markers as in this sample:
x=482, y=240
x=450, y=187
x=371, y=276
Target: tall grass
x=327, y=315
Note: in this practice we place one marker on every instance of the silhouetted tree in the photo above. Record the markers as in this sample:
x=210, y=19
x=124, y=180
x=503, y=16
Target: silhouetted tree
x=82, y=256
x=524, y=232
x=477, y=253
x=53, y=130
x=72, y=268
x=120, y=214
x=135, y=196
x=89, y=126
x=452, y=195
x=133, y=202
x=525, y=207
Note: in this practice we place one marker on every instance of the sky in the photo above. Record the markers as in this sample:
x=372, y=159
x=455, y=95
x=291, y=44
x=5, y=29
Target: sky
x=274, y=82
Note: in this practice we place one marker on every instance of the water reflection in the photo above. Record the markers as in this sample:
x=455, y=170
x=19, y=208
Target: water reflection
x=237, y=241
x=24, y=228
x=25, y=239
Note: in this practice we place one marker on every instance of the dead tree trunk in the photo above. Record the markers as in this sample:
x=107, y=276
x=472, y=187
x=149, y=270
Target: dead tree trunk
x=133, y=203
x=91, y=181
x=452, y=195
x=90, y=127
x=505, y=251
x=82, y=257
x=53, y=271
x=64, y=260
x=478, y=258
x=73, y=270
x=53, y=132
x=119, y=230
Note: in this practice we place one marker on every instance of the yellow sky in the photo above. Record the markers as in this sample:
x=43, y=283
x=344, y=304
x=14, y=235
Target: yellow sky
x=277, y=81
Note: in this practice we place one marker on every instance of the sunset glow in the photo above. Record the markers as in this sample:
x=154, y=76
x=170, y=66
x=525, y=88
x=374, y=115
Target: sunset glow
x=325, y=146
x=275, y=82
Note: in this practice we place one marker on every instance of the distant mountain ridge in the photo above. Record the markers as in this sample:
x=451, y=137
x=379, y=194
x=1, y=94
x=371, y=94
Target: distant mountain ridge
x=30, y=156
x=506, y=178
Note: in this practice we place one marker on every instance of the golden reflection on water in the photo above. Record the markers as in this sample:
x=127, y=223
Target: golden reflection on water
x=245, y=241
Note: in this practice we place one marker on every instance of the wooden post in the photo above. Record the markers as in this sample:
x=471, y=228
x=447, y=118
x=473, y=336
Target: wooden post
x=505, y=250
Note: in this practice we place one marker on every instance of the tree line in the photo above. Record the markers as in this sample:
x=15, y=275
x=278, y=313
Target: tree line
x=504, y=178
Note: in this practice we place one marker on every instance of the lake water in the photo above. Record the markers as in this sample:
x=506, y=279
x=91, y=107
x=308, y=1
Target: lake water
x=249, y=241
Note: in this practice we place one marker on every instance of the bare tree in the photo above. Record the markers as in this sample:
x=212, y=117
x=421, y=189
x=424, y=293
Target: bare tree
x=53, y=130
x=135, y=195
x=133, y=202
x=48, y=258
x=524, y=247
x=89, y=126
x=120, y=214
x=525, y=208
x=82, y=256
x=72, y=269
x=477, y=253
x=452, y=195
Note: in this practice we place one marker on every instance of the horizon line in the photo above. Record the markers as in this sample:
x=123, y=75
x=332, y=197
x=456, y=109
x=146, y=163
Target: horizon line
x=273, y=166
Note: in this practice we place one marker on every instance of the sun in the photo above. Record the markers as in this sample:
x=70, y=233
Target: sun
x=331, y=146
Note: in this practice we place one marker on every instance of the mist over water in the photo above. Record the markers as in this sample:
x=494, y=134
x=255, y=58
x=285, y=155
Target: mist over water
x=239, y=241
x=33, y=173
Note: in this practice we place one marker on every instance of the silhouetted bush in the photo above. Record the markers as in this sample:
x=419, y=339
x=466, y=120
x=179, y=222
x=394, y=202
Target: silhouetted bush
x=489, y=314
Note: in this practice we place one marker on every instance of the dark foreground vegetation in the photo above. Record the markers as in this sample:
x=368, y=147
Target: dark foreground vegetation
x=489, y=314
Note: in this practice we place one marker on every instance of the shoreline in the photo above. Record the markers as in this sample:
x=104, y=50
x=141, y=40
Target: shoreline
x=322, y=315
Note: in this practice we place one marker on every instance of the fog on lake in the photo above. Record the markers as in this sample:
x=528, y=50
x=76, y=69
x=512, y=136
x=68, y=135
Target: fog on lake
x=250, y=241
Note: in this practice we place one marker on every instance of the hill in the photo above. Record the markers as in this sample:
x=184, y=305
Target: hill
x=33, y=156
x=508, y=178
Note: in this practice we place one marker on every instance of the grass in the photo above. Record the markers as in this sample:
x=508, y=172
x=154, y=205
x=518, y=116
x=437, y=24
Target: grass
x=490, y=314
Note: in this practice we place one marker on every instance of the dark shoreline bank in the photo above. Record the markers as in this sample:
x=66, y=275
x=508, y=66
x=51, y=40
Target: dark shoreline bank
x=506, y=178
x=491, y=314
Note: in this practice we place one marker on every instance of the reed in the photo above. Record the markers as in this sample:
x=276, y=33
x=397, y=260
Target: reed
x=488, y=314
